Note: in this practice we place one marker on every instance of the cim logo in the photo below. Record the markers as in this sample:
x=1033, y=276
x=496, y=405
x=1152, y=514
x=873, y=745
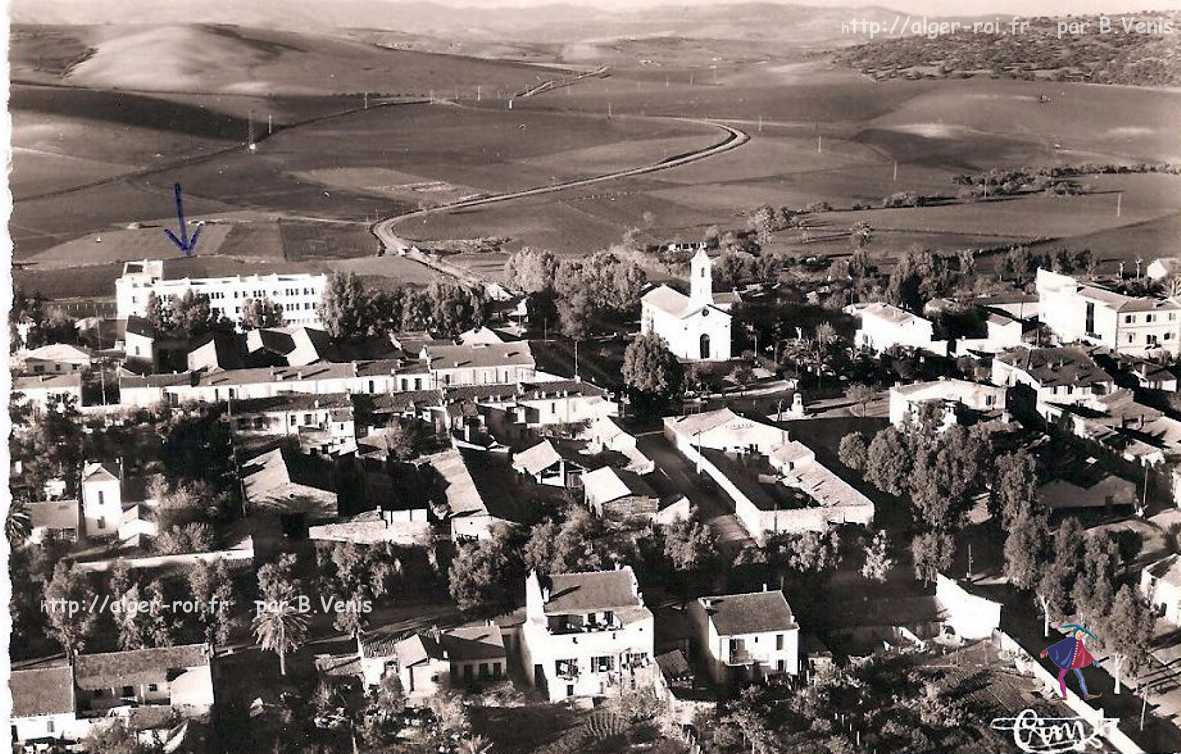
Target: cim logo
x=1053, y=735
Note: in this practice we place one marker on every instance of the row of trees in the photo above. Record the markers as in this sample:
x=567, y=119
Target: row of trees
x=352, y=311
x=138, y=613
x=936, y=472
x=576, y=292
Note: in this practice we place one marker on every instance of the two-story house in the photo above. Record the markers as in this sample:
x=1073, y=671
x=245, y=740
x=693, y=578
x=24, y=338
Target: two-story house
x=743, y=638
x=1094, y=314
x=884, y=326
x=586, y=634
x=1065, y=375
x=114, y=506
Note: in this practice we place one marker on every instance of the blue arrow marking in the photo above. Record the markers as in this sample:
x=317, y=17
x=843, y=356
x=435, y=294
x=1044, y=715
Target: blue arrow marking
x=184, y=243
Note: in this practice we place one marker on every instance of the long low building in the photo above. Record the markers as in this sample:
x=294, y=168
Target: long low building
x=777, y=484
x=298, y=294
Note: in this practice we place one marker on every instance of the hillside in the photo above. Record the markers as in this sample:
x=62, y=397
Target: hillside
x=238, y=60
x=541, y=24
x=1149, y=55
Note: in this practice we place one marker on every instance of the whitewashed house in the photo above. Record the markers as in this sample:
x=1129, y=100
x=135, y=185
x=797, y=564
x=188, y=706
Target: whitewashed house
x=954, y=394
x=743, y=638
x=587, y=634
x=1093, y=314
x=884, y=326
x=428, y=662
x=1160, y=583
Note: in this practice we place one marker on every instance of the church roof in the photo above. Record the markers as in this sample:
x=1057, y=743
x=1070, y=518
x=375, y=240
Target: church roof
x=667, y=300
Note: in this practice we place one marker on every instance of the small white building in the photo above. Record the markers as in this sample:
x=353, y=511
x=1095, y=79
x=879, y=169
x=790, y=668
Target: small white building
x=175, y=677
x=56, y=358
x=1160, y=583
x=744, y=638
x=587, y=634
x=971, y=616
x=43, y=391
x=884, y=326
x=113, y=506
x=1164, y=268
x=695, y=327
x=428, y=662
x=299, y=294
x=955, y=394
x=43, y=707
x=53, y=519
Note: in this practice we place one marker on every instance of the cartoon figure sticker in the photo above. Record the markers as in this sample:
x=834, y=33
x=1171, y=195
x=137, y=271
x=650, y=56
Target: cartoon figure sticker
x=1071, y=653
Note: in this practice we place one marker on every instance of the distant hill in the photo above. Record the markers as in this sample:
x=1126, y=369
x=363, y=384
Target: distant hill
x=1147, y=54
x=200, y=58
x=558, y=23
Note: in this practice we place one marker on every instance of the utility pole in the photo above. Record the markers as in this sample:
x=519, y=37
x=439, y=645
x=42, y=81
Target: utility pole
x=1118, y=203
x=760, y=124
x=819, y=144
x=365, y=106
x=608, y=111
x=270, y=124
x=478, y=92
x=895, y=171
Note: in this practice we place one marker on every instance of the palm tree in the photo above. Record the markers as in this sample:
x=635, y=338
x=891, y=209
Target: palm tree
x=477, y=744
x=281, y=627
x=19, y=524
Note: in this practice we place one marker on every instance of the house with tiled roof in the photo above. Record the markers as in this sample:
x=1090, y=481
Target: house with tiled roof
x=55, y=358
x=53, y=519
x=885, y=326
x=480, y=492
x=555, y=462
x=174, y=677
x=43, y=706
x=45, y=390
x=294, y=414
x=290, y=485
x=696, y=327
x=962, y=401
x=619, y=494
x=428, y=662
x=744, y=638
x=1160, y=583
x=587, y=634
x=1063, y=375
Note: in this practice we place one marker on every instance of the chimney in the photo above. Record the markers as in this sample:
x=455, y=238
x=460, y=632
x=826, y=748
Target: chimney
x=764, y=586
x=545, y=594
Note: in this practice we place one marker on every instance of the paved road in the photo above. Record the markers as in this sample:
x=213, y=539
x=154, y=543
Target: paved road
x=384, y=229
x=677, y=473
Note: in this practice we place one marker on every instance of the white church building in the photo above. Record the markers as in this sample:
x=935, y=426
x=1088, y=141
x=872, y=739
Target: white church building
x=696, y=327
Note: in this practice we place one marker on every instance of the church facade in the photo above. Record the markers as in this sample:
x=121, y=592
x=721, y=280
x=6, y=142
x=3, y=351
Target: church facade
x=696, y=327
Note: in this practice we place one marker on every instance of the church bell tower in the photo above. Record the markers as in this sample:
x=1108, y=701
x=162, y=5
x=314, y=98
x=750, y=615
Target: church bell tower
x=701, y=283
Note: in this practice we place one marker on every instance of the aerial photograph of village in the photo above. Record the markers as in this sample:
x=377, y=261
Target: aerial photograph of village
x=594, y=376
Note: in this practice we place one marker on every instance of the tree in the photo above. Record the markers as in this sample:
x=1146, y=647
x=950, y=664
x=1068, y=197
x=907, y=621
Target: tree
x=888, y=462
x=192, y=316
x=861, y=395
x=653, y=376
x=763, y=221
x=281, y=627
x=347, y=307
x=860, y=235
x=1024, y=551
x=454, y=308
x=1014, y=489
x=691, y=547
x=481, y=573
x=130, y=620
x=853, y=451
x=159, y=314
x=1018, y=262
x=213, y=590
x=68, y=598
x=401, y=439
x=531, y=270
x=18, y=523
x=260, y=313
x=193, y=537
x=1128, y=632
x=878, y=562
x=1057, y=579
x=574, y=314
x=932, y=554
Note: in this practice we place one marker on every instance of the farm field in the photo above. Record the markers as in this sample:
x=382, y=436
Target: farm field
x=818, y=133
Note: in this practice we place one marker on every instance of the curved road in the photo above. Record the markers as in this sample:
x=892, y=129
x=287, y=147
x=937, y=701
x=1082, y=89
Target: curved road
x=383, y=229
